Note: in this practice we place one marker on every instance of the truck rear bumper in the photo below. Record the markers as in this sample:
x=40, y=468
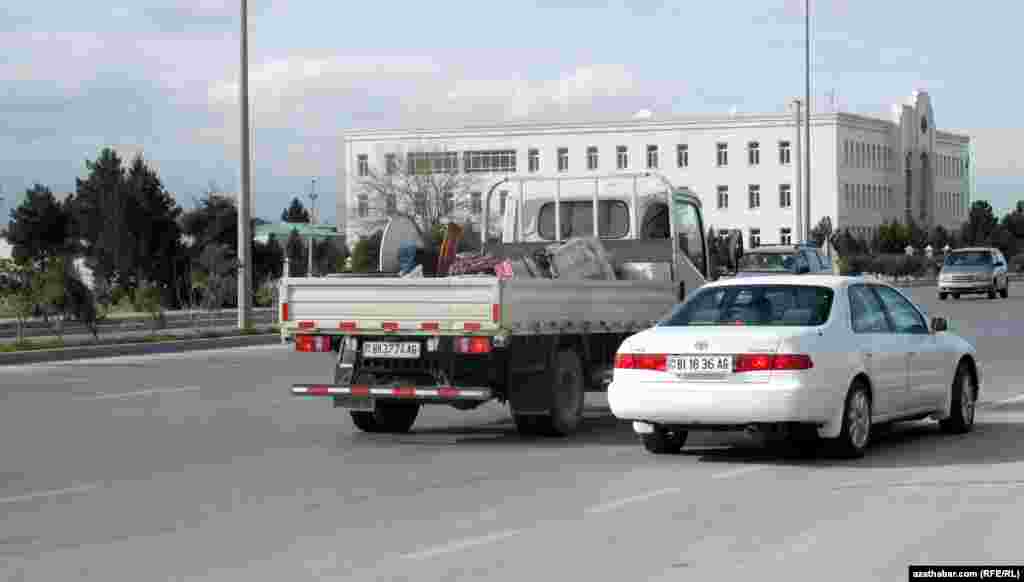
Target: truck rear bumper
x=425, y=394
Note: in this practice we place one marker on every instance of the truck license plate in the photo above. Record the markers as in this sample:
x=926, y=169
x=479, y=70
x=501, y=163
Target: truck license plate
x=687, y=364
x=404, y=350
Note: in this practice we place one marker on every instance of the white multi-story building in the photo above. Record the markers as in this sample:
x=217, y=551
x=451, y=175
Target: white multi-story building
x=864, y=170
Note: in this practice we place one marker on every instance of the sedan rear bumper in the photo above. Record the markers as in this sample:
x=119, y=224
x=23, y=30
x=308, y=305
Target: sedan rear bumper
x=716, y=405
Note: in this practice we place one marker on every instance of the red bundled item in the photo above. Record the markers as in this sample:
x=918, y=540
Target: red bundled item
x=474, y=265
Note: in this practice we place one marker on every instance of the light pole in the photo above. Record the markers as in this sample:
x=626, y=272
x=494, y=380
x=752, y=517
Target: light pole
x=807, y=127
x=244, y=266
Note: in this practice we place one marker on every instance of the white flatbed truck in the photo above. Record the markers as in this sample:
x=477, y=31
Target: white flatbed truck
x=536, y=344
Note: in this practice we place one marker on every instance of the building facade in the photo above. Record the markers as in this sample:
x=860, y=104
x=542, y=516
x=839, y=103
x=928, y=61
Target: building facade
x=864, y=170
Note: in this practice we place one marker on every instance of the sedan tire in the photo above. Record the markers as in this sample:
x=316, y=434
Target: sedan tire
x=664, y=442
x=1005, y=292
x=962, y=404
x=855, y=434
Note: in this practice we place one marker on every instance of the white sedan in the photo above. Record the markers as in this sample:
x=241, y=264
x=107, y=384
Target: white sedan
x=809, y=356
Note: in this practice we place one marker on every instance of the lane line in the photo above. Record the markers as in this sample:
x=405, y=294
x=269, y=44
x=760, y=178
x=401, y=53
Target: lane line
x=149, y=392
x=50, y=493
x=1003, y=402
x=462, y=545
x=613, y=505
x=736, y=472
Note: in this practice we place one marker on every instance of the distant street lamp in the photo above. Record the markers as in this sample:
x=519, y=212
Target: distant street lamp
x=244, y=236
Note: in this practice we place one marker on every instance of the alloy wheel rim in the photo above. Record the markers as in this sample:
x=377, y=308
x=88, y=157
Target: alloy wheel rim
x=858, y=420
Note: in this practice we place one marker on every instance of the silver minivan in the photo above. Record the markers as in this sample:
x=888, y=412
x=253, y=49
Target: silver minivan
x=974, y=270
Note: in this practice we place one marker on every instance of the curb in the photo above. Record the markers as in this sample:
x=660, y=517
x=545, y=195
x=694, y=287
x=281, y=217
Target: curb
x=136, y=349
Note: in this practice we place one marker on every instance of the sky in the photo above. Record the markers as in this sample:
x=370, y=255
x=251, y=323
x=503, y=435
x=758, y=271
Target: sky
x=161, y=77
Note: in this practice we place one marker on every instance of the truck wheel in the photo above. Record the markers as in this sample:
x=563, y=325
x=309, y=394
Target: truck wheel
x=526, y=424
x=567, y=394
x=396, y=417
x=386, y=416
x=942, y=296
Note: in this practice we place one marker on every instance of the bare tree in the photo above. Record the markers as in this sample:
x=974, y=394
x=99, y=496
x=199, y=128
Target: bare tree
x=424, y=186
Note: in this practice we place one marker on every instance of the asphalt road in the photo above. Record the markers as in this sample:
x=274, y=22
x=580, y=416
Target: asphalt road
x=199, y=466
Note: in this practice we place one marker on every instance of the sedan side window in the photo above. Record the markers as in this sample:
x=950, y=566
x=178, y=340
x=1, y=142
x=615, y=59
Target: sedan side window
x=905, y=317
x=866, y=312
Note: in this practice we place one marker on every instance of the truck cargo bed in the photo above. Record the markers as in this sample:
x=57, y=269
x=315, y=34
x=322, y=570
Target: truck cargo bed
x=478, y=304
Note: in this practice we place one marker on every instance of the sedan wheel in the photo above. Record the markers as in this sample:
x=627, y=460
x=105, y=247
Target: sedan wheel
x=1006, y=289
x=664, y=442
x=855, y=434
x=964, y=401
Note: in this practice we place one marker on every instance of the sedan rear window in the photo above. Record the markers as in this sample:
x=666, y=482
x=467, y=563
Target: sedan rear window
x=760, y=305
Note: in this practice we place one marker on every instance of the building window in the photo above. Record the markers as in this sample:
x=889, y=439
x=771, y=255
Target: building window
x=448, y=203
x=476, y=202
x=563, y=159
x=390, y=165
x=591, y=158
x=433, y=162
x=533, y=160
x=621, y=157
x=390, y=204
x=723, y=154
x=503, y=196
x=755, y=238
x=785, y=196
x=362, y=206
x=753, y=153
x=652, y=156
x=786, y=236
x=491, y=161
x=363, y=165
x=846, y=152
x=754, y=192
x=682, y=155
x=785, y=153
x=723, y=197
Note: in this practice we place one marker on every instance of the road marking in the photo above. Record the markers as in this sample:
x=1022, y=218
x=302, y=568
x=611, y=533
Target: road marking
x=613, y=505
x=50, y=493
x=735, y=472
x=151, y=391
x=1005, y=401
x=462, y=545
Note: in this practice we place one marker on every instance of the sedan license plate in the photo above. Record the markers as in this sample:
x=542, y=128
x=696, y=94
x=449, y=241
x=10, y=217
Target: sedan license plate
x=692, y=364
x=403, y=350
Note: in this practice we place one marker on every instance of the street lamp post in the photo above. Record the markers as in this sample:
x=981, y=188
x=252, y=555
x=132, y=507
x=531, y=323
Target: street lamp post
x=807, y=127
x=244, y=266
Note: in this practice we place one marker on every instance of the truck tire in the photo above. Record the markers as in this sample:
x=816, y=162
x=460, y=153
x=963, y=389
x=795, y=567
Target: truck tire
x=394, y=417
x=567, y=396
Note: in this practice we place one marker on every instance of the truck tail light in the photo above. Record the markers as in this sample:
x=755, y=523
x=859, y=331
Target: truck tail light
x=312, y=343
x=656, y=362
x=473, y=345
x=284, y=311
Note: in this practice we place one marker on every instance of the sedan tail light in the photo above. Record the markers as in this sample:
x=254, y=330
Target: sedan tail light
x=473, y=345
x=657, y=362
x=765, y=362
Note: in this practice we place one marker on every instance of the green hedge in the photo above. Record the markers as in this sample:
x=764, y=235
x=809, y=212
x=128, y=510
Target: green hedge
x=892, y=265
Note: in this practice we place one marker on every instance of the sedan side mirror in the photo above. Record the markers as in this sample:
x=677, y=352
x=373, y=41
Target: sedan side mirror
x=939, y=324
